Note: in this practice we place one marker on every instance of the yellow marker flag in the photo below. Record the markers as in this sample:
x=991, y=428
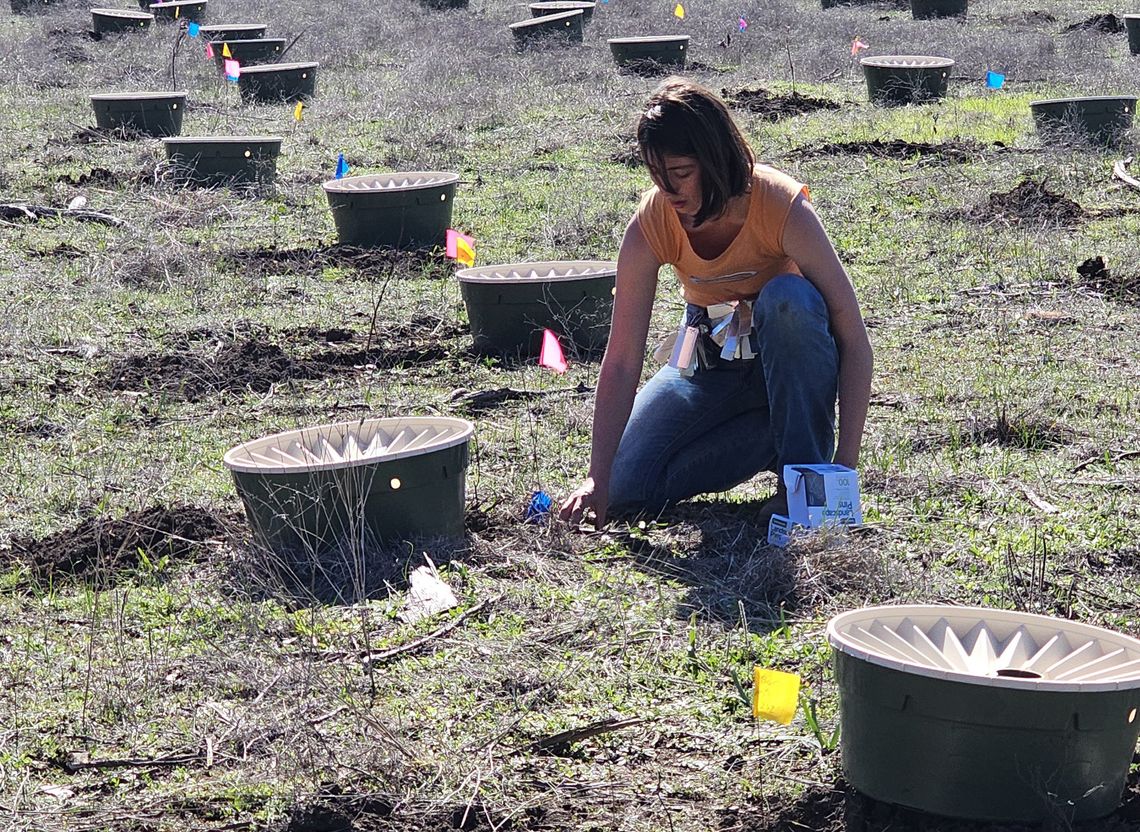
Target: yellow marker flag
x=774, y=695
x=177, y=9
x=465, y=252
x=226, y=53
x=299, y=111
x=679, y=11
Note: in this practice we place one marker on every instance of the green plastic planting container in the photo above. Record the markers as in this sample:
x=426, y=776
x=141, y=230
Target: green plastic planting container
x=250, y=51
x=650, y=53
x=548, y=7
x=318, y=489
x=277, y=83
x=1102, y=118
x=222, y=32
x=509, y=305
x=399, y=210
x=556, y=29
x=143, y=113
x=1132, y=27
x=174, y=10
x=210, y=161
x=906, y=79
x=931, y=9
x=986, y=714
x=113, y=21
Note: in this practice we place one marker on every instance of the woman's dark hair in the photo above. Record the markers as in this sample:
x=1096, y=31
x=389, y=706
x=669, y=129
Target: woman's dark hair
x=685, y=118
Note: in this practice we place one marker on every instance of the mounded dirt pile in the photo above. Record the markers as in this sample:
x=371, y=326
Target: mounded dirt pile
x=952, y=151
x=1096, y=275
x=1108, y=24
x=774, y=107
x=100, y=546
x=1029, y=202
x=251, y=360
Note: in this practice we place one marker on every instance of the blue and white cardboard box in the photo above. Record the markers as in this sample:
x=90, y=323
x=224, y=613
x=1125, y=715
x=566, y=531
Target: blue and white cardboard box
x=818, y=495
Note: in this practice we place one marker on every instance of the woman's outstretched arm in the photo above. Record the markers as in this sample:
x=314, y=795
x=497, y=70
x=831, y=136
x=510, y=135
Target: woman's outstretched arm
x=806, y=242
x=621, y=370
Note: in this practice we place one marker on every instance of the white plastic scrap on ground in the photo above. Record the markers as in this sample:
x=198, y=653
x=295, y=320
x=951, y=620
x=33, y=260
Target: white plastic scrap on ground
x=428, y=595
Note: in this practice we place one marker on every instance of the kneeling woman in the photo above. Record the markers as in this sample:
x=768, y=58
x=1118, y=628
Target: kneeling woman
x=772, y=329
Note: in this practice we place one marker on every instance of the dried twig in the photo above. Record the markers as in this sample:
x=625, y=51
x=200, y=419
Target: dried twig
x=1114, y=458
x=564, y=738
x=412, y=646
x=132, y=762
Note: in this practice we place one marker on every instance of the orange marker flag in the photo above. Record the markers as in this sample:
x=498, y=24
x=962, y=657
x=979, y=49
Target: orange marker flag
x=460, y=247
x=856, y=45
x=551, y=355
x=679, y=12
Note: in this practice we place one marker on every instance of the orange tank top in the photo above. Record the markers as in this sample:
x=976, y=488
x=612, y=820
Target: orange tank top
x=753, y=258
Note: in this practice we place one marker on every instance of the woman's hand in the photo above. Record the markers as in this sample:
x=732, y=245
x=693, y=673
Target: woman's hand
x=583, y=498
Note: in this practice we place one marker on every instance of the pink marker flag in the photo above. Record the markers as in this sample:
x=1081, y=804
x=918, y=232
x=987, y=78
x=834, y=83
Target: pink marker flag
x=551, y=355
x=232, y=68
x=856, y=45
x=460, y=247
x=209, y=50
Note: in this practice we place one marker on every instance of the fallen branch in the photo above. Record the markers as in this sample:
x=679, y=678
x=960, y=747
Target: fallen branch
x=35, y=213
x=1113, y=458
x=387, y=655
x=1120, y=171
x=565, y=738
x=132, y=762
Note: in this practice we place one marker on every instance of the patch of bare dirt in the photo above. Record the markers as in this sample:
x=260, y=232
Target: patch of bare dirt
x=1026, y=18
x=1108, y=24
x=839, y=808
x=949, y=151
x=102, y=177
x=99, y=547
x=368, y=261
x=1094, y=274
x=774, y=106
x=1029, y=203
x=251, y=360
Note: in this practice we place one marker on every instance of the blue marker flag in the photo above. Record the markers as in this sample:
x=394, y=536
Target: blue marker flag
x=341, y=166
x=192, y=30
x=540, y=506
x=994, y=80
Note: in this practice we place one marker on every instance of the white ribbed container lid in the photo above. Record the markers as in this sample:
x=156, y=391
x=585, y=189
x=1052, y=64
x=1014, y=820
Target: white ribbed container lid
x=989, y=647
x=650, y=39
x=907, y=61
x=269, y=69
x=550, y=271
x=131, y=13
x=348, y=444
x=550, y=20
x=409, y=181
x=135, y=96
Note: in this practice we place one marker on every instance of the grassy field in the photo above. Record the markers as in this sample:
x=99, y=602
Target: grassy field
x=167, y=682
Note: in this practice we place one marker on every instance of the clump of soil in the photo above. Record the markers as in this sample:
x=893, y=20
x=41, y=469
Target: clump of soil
x=627, y=155
x=774, y=107
x=1095, y=274
x=99, y=546
x=1029, y=17
x=249, y=360
x=1029, y=202
x=1108, y=24
x=101, y=176
x=952, y=151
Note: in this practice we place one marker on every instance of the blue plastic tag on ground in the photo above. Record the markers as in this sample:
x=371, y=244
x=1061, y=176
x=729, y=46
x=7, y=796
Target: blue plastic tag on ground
x=995, y=80
x=539, y=508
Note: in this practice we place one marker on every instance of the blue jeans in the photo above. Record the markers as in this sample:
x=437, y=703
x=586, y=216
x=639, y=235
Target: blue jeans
x=723, y=425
